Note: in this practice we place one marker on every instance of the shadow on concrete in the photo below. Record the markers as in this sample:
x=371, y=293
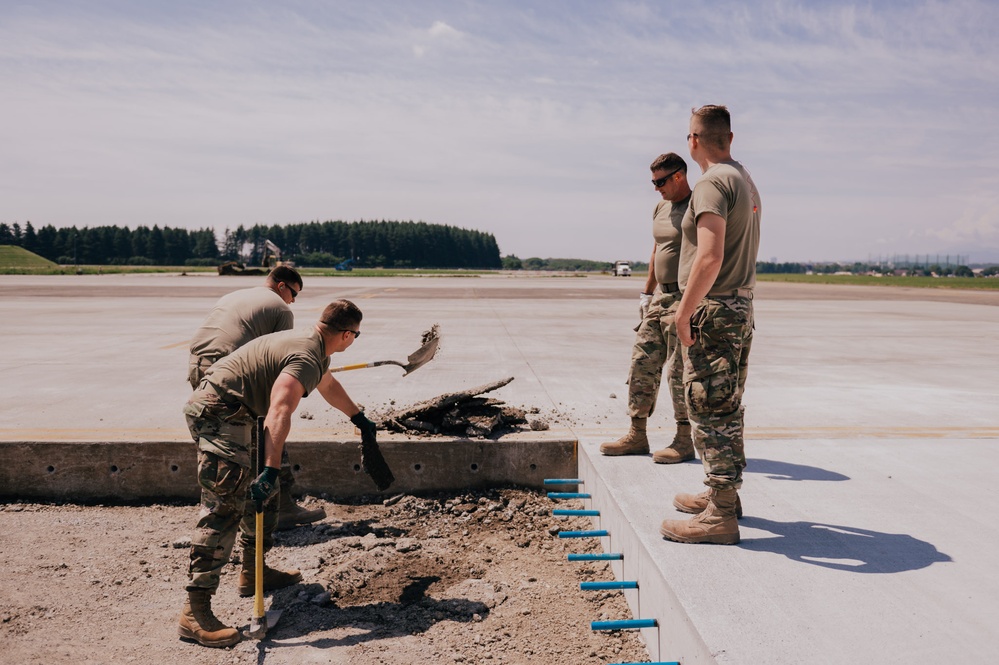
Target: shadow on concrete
x=414, y=613
x=842, y=547
x=787, y=471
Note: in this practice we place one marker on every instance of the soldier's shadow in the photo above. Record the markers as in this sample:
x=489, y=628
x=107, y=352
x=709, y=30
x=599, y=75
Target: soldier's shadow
x=842, y=547
x=776, y=470
x=414, y=613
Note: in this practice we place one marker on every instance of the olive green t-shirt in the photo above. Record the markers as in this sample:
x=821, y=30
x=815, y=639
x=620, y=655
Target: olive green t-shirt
x=249, y=372
x=727, y=190
x=666, y=230
x=239, y=317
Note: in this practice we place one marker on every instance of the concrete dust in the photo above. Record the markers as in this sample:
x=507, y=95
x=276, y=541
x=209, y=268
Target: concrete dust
x=471, y=577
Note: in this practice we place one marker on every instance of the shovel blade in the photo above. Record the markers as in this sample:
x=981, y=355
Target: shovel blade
x=260, y=625
x=422, y=355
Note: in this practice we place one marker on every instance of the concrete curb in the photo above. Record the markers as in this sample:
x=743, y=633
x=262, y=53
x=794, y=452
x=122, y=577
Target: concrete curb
x=167, y=470
x=675, y=637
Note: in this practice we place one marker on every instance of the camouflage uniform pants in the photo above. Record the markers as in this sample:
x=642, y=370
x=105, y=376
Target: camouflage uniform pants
x=195, y=373
x=656, y=346
x=226, y=445
x=714, y=378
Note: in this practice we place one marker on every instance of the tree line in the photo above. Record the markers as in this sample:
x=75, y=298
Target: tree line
x=389, y=244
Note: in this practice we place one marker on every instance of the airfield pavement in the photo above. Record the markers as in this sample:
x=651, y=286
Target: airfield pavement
x=871, y=414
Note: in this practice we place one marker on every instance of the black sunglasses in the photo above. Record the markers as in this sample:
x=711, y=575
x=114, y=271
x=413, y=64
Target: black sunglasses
x=355, y=333
x=659, y=182
x=294, y=293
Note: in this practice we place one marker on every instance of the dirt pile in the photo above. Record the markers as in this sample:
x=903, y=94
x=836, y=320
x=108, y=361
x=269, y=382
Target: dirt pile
x=462, y=414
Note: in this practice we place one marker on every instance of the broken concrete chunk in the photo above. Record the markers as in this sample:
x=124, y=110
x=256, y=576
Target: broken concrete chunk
x=465, y=413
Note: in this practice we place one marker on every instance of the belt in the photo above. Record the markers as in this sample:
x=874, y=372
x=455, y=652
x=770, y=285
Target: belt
x=672, y=287
x=223, y=395
x=735, y=293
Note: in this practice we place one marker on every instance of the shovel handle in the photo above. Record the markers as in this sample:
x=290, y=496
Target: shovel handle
x=258, y=577
x=377, y=363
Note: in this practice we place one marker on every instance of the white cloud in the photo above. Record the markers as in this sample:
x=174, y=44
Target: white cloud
x=441, y=30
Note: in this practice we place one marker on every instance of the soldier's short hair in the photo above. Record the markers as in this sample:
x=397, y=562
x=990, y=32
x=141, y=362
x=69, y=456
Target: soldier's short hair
x=716, y=125
x=341, y=315
x=287, y=275
x=669, y=161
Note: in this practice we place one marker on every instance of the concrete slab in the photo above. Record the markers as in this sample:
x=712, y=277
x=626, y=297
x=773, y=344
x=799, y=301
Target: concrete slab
x=870, y=417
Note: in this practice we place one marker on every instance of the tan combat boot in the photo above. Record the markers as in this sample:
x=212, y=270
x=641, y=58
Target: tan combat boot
x=635, y=442
x=696, y=503
x=716, y=524
x=273, y=578
x=291, y=514
x=681, y=450
x=198, y=623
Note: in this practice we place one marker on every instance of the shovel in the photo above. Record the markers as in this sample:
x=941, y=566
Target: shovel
x=416, y=360
x=261, y=621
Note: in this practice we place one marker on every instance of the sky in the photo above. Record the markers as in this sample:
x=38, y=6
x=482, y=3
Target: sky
x=869, y=128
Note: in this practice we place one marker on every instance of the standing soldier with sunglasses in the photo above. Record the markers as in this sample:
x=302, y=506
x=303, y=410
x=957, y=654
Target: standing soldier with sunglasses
x=655, y=342
x=267, y=376
x=714, y=322
x=237, y=318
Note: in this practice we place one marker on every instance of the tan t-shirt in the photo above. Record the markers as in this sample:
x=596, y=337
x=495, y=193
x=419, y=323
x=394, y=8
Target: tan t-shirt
x=727, y=190
x=249, y=372
x=666, y=230
x=239, y=317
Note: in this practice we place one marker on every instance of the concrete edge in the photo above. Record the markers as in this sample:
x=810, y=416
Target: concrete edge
x=675, y=638
x=167, y=470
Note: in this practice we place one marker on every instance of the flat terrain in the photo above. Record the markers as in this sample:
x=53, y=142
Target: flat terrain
x=870, y=413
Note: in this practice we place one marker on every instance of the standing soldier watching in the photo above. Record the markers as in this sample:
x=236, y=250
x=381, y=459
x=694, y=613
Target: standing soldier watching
x=714, y=322
x=237, y=318
x=268, y=376
x=655, y=342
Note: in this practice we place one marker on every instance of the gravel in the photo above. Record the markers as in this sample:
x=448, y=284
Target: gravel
x=475, y=577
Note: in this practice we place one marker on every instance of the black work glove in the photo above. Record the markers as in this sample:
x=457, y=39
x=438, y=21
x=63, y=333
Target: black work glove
x=362, y=423
x=372, y=461
x=265, y=486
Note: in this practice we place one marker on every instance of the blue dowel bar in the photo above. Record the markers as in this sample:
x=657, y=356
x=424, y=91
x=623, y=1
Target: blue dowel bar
x=625, y=624
x=568, y=495
x=573, y=511
x=600, y=586
x=595, y=556
x=597, y=533
x=563, y=481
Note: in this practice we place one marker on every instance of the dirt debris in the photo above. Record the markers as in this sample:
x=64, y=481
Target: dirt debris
x=473, y=577
x=464, y=413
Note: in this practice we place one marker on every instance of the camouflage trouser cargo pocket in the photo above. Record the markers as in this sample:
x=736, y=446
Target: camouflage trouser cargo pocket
x=713, y=372
x=221, y=477
x=714, y=378
x=219, y=428
x=655, y=348
x=224, y=485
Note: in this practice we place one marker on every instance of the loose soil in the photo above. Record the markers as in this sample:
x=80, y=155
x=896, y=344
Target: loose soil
x=476, y=577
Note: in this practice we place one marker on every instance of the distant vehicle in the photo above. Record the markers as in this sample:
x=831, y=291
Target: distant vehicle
x=622, y=269
x=344, y=265
x=269, y=253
